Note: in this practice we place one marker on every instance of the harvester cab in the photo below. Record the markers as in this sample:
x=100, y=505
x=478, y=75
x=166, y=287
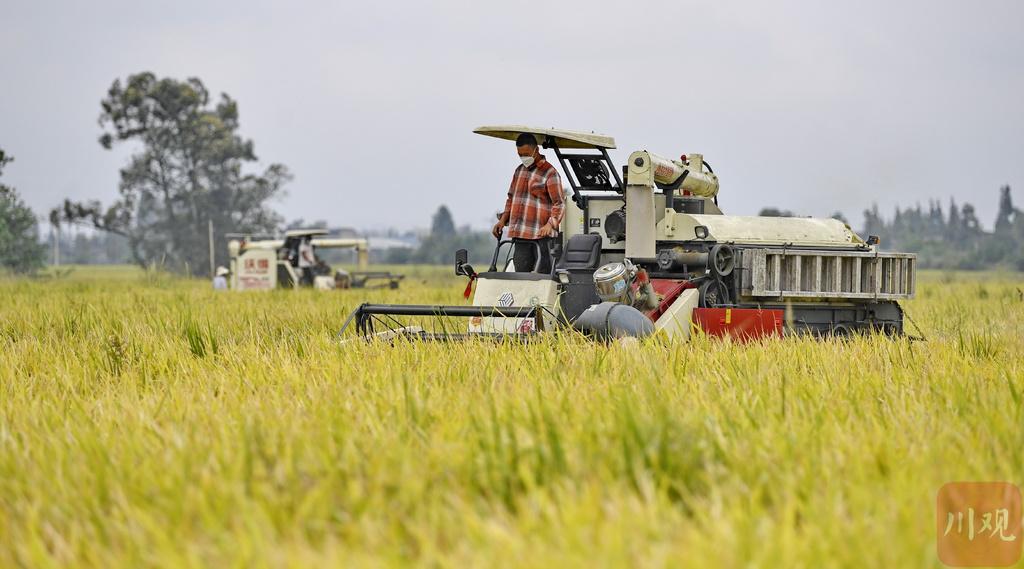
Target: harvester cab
x=650, y=250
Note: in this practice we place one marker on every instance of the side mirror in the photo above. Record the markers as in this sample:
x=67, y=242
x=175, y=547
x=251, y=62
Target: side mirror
x=873, y=240
x=462, y=267
x=701, y=231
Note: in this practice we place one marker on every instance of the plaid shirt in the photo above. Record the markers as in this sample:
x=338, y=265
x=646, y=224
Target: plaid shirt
x=534, y=197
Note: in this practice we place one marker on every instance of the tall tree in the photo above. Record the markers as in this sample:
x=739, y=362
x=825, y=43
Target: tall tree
x=954, y=229
x=839, y=216
x=20, y=249
x=873, y=222
x=442, y=224
x=775, y=212
x=188, y=173
x=439, y=246
x=1004, y=218
x=969, y=220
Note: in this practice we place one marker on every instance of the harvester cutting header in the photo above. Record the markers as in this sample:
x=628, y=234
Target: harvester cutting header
x=650, y=250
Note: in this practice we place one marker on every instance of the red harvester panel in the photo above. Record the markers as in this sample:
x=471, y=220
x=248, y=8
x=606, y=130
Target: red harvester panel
x=669, y=290
x=739, y=323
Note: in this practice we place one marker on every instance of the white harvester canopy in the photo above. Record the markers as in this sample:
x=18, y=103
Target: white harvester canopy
x=305, y=232
x=563, y=138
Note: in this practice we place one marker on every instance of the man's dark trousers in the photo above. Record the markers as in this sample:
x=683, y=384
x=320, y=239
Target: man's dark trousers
x=525, y=254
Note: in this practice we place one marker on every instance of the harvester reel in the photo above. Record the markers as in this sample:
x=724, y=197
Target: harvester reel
x=722, y=260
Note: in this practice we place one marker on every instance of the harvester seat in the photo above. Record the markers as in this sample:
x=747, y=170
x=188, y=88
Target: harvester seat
x=580, y=258
x=582, y=252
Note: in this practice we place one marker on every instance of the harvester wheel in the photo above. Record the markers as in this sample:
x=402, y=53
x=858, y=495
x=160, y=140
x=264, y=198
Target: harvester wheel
x=713, y=294
x=723, y=260
x=842, y=331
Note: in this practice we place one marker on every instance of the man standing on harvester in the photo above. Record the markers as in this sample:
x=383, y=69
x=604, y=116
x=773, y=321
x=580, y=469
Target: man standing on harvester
x=307, y=260
x=534, y=208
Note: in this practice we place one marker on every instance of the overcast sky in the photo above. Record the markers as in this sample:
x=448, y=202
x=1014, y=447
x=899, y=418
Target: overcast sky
x=807, y=106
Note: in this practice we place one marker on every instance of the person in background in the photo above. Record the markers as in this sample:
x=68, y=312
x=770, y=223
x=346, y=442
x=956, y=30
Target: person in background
x=307, y=260
x=534, y=207
x=220, y=279
x=342, y=279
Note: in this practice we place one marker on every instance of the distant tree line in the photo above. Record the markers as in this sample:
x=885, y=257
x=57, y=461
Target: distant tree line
x=438, y=247
x=946, y=239
x=776, y=212
x=953, y=239
x=89, y=249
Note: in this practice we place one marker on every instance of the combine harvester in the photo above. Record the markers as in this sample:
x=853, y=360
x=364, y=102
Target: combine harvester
x=266, y=264
x=651, y=251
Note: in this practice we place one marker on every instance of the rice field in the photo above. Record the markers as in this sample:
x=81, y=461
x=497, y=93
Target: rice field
x=147, y=421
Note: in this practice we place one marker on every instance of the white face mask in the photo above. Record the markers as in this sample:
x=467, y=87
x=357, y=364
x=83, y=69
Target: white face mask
x=527, y=160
